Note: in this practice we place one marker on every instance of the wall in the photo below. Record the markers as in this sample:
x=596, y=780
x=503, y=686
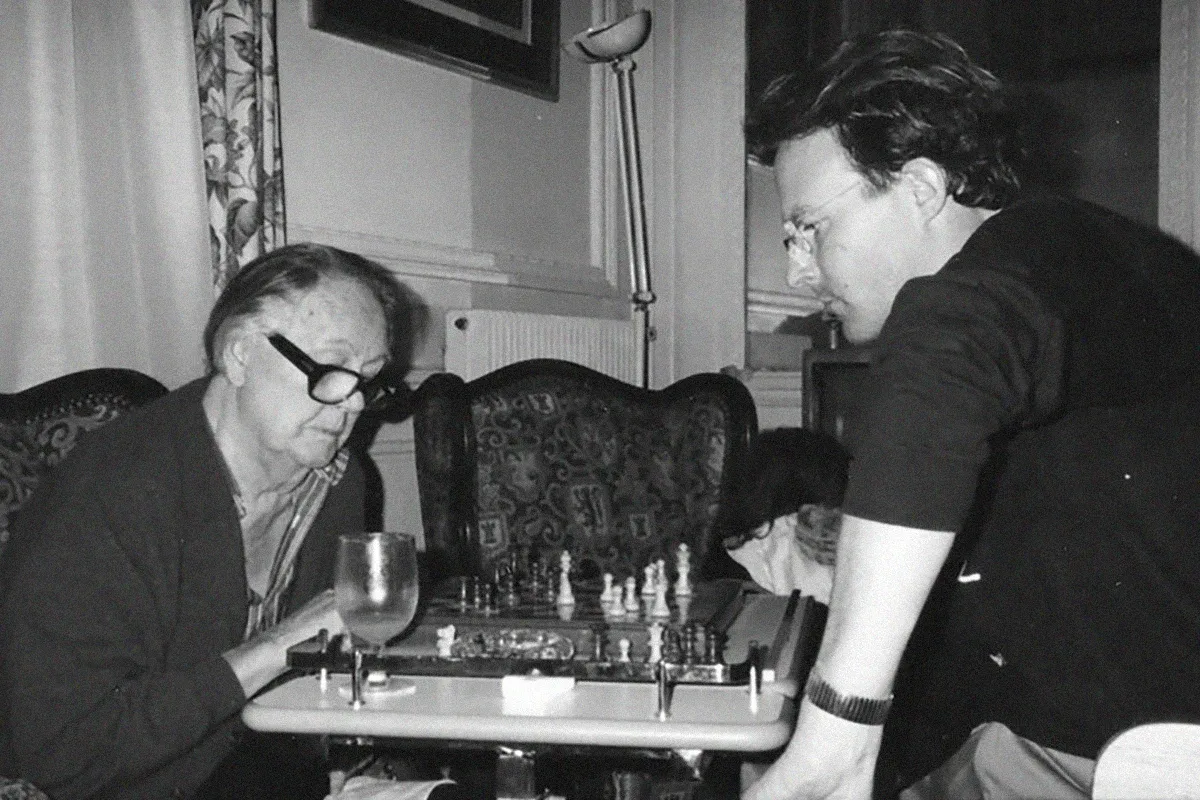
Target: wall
x=482, y=197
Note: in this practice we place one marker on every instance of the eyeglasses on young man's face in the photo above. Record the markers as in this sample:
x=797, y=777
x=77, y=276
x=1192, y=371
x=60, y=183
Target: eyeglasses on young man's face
x=800, y=239
x=330, y=384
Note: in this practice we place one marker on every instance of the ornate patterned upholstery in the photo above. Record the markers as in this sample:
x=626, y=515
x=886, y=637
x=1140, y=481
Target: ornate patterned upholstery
x=544, y=455
x=17, y=789
x=40, y=425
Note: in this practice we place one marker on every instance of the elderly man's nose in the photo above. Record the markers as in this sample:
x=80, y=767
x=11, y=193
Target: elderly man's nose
x=355, y=403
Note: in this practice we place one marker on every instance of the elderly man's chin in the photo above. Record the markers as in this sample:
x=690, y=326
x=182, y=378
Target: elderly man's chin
x=319, y=448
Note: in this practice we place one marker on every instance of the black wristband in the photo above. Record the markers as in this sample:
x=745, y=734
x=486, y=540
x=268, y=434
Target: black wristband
x=863, y=710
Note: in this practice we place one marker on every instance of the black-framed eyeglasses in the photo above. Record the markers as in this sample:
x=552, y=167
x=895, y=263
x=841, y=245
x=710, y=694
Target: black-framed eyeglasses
x=330, y=384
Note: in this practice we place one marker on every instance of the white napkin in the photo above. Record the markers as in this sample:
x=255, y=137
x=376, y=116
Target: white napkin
x=778, y=561
x=363, y=787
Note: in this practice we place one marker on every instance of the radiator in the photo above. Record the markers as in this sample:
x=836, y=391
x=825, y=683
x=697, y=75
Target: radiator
x=479, y=341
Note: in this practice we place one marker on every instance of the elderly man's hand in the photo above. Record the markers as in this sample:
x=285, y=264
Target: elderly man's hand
x=257, y=662
x=319, y=612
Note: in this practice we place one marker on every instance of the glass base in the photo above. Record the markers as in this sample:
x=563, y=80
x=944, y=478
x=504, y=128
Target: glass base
x=380, y=684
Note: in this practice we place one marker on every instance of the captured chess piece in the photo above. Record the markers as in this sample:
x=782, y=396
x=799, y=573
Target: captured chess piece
x=445, y=641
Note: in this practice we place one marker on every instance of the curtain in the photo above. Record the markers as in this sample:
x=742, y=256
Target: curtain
x=103, y=256
x=239, y=112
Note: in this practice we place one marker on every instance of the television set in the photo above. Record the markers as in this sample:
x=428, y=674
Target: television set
x=833, y=391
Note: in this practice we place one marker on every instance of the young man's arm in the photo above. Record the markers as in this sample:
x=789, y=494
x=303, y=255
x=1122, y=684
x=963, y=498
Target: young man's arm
x=884, y=575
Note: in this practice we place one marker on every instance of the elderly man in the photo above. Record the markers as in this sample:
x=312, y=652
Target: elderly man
x=157, y=579
x=1032, y=448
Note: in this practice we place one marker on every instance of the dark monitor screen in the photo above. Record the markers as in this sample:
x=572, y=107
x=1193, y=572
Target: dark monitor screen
x=835, y=384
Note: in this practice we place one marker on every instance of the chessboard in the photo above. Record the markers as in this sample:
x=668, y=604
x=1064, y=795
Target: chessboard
x=526, y=619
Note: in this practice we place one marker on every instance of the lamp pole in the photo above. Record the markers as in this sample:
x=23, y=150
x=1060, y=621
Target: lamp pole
x=614, y=43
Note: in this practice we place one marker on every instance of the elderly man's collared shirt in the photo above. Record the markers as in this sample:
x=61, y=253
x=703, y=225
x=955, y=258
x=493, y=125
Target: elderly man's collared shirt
x=266, y=611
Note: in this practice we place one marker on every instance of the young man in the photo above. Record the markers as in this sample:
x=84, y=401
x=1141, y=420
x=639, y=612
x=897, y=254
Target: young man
x=1019, y=559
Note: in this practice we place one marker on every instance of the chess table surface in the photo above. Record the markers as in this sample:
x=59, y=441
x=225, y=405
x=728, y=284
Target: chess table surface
x=589, y=643
x=718, y=717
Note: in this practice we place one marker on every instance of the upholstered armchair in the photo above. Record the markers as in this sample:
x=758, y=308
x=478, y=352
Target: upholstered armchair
x=40, y=426
x=545, y=455
x=17, y=789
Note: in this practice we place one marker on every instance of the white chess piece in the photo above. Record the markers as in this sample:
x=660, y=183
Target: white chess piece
x=445, y=640
x=631, y=598
x=660, y=572
x=648, y=579
x=566, y=595
x=606, y=596
x=660, y=609
x=683, y=566
x=623, y=649
x=655, y=641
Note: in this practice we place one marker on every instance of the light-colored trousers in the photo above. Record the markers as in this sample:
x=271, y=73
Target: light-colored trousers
x=994, y=764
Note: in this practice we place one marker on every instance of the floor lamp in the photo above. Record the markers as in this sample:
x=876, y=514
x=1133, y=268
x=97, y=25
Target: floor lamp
x=613, y=43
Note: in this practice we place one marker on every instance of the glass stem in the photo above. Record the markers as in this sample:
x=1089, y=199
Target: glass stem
x=356, y=679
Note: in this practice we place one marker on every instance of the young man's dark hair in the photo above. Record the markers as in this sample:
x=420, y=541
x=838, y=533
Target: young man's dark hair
x=898, y=96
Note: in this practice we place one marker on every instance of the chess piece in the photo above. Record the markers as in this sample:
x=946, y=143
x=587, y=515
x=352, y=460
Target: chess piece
x=606, y=596
x=445, y=640
x=648, y=580
x=655, y=641
x=631, y=599
x=683, y=608
x=599, y=642
x=683, y=568
x=623, y=649
x=660, y=609
x=566, y=595
x=660, y=573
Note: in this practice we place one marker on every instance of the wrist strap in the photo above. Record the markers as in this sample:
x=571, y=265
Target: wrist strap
x=863, y=710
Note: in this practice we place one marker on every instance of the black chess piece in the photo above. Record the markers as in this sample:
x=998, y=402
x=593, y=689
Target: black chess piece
x=713, y=646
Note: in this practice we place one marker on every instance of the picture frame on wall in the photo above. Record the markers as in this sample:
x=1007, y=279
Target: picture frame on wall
x=513, y=43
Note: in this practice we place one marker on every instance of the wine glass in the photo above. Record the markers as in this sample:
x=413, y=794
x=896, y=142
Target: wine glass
x=376, y=590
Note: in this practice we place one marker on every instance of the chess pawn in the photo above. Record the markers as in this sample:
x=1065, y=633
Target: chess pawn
x=623, y=649
x=683, y=566
x=606, y=596
x=648, y=580
x=631, y=599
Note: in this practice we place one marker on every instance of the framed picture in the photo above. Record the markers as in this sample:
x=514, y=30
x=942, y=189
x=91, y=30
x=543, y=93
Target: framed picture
x=510, y=42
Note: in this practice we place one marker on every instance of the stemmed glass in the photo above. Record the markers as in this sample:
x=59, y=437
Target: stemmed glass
x=376, y=591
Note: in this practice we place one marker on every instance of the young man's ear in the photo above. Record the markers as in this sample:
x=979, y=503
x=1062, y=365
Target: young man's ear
x=927, y=182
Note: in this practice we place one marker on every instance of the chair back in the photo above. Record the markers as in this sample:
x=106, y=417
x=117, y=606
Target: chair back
x=41, y=425
x=18, y=789
x=545, y=455
x=1155, y=760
